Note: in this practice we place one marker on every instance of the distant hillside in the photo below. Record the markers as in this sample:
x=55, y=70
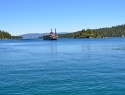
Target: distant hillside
x=31, y=35
x=114, y=31
x=36, y=35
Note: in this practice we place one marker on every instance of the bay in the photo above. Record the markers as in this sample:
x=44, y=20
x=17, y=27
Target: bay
x=62, y=67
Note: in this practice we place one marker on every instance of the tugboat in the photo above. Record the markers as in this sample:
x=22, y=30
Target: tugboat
x=51, y=36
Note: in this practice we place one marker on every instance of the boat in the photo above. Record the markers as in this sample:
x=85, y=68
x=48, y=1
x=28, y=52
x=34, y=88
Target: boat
x=51, y=36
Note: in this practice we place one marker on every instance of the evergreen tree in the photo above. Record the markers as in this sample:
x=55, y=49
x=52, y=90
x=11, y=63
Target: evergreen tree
x=4, y=35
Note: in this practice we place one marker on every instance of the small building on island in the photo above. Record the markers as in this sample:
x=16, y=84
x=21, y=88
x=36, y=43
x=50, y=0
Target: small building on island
x=51, y=36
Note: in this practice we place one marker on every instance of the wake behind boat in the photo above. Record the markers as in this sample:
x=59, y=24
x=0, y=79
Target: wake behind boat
x=51, y=36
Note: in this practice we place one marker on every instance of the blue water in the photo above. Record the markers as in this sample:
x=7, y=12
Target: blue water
x=62, y=67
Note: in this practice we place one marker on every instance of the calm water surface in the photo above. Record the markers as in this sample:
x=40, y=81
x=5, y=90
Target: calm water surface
x=62, y=67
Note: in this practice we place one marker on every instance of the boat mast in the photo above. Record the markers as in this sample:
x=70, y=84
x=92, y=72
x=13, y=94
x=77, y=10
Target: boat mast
x=51, y=30
x=55, y=31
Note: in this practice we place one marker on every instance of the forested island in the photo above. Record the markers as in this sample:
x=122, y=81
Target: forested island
x=6, y=35
x=114, y=31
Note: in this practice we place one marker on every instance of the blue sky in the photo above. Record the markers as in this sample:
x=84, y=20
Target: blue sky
x=39, y=16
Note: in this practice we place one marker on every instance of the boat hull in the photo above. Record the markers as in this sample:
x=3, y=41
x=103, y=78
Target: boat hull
x=50, y=38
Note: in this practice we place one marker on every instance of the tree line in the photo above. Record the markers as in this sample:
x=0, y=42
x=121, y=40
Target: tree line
x=114, y=31
x=16, y=37
x=6, y=35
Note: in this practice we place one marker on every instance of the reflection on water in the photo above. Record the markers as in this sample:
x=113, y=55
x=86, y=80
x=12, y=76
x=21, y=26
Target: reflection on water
x=53, y=47
x=88, y=47
x=123, y=48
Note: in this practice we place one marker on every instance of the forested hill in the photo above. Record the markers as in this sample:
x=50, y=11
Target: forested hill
x=4, y=35
x=114, y=31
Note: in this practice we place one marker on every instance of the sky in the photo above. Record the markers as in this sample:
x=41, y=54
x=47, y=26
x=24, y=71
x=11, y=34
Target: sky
x=39, y=16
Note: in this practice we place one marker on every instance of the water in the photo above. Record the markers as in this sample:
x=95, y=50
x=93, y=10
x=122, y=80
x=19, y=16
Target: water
x=62, y=67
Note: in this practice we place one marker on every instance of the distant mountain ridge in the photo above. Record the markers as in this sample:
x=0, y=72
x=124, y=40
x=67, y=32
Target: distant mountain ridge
x=36, y=35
